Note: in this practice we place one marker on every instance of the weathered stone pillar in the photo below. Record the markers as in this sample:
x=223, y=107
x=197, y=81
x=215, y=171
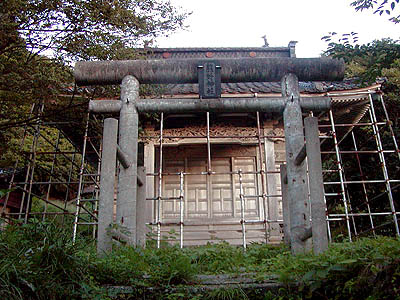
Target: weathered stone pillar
x=128, y=142
x=296, y=174
x=107, y=180
x=318, y=208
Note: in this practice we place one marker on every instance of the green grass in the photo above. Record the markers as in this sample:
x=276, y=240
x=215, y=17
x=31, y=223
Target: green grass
x=39, y=261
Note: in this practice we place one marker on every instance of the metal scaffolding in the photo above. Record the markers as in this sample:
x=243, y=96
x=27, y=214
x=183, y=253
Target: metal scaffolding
x=81, y=177
x=48, y=179
x=341, y=186
x=371, y=128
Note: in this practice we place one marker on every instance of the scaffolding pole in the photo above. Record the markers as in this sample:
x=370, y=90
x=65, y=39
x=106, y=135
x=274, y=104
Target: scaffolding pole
x=34, y=145
x=363, y=184
x=263, y=168
x=80, y=185
x=11, y=183
x=160, y=170
x=340, y=169
x=383, y=164
x=396, y=146
x=181, y=203
x=242, y=208
x=51, y=175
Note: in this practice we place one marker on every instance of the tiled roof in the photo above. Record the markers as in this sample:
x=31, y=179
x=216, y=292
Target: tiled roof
x=212, y=53
x=245, y=87
x=262, y=87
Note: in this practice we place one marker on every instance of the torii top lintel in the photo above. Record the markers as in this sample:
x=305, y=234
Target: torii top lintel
x=258, y=69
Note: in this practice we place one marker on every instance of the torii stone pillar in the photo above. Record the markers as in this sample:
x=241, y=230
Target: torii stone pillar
x=232, y=70
x=296, y=173
x=107, y=180
x=128, y=142
x=318, y=207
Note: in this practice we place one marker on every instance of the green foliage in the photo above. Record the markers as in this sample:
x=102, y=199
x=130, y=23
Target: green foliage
x=3, y=192
x=367, y=61
x=85, y=29
x=39, y=40
x=144, y=267
x=346, y=270
x=382, y=7
x=232, y=293
x=39, y=261
x=217, y=258
x=346, y=39
x=367, y=64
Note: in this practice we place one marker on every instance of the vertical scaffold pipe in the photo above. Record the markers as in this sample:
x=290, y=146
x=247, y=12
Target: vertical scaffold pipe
x=363, y=184
x=263, y=167
x=389, y=123
x=11, y=183
x=383, y=164
x=242, y=208
x=181, y=201
x=160, y=178
x=341, y=174
x=32, y=162
x=80, y=185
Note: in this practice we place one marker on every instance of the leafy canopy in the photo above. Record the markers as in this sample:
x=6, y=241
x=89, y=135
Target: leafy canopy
x=367, y=61
x=85, y=29
x=40, y=39
x=379, y=7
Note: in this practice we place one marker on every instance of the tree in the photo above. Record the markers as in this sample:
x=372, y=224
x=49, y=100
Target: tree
x=40, y=39
x=85, y=29
x=365, y=63
x=381, y=7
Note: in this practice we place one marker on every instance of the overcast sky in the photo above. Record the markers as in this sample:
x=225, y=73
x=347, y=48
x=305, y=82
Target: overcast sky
x=242, y=23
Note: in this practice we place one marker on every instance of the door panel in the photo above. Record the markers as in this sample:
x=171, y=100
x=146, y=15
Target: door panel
x=221, y=185
x=249, y=182
x=171, y=188
x=196, y=189
x=214, y=196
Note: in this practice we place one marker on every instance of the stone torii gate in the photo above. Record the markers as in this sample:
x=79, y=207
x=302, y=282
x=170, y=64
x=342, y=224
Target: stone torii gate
x=294, y=178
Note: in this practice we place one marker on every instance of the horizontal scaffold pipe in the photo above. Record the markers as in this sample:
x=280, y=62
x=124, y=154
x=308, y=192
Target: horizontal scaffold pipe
x=259, y=69
x=316, y=104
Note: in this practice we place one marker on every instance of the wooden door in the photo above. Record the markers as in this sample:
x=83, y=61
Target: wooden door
x=211, y=200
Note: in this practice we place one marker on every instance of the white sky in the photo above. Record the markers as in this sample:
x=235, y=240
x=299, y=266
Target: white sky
x=242, y=23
